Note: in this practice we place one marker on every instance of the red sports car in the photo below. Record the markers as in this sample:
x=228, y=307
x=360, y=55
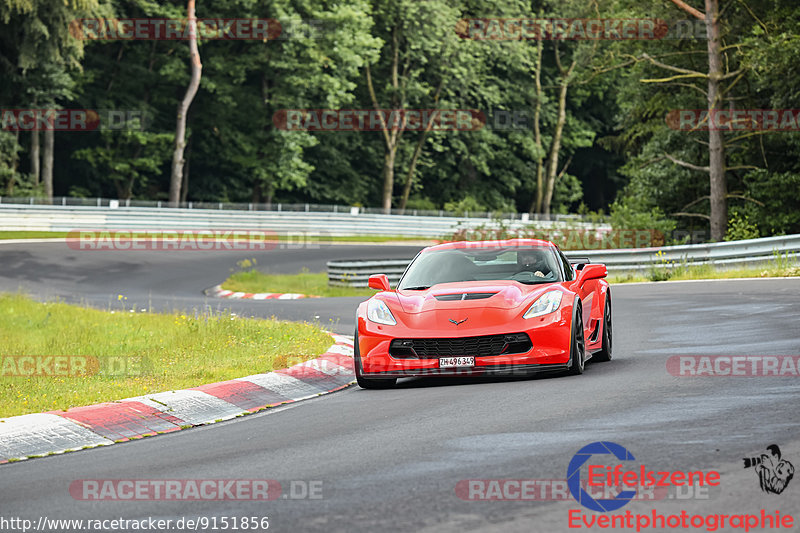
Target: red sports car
x=472, y=308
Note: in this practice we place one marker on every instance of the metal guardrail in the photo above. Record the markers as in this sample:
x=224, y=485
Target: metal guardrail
x=66, y=201
x=357, y=273
x=754, y=252
x=21, y=217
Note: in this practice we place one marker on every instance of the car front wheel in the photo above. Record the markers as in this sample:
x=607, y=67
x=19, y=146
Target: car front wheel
x=577, y=348
x=367, y=383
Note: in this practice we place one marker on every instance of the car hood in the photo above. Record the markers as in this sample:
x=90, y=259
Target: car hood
x=470, y=295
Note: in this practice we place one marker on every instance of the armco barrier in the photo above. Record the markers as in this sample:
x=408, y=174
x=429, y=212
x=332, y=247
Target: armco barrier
x=754, y=252
x=357, y=273
x=20, y=217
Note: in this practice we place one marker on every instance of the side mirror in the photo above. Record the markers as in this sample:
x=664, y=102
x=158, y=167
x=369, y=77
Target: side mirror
x=595, y=271
x=380, y=282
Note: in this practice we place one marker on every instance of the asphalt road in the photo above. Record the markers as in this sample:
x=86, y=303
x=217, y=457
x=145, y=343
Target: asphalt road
x=166, y=280
x=391, y=460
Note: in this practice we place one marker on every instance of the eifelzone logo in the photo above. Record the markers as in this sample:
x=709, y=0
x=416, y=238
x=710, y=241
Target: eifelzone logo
x=574, y=476
x=774, y=472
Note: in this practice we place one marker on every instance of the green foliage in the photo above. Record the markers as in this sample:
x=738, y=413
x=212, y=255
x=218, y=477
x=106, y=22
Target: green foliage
x=465, y=206
x=615, y=136
x=628, y=213
x=740, y=227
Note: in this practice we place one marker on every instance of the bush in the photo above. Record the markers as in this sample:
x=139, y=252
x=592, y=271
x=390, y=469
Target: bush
x=629, y=213
x=740, y=227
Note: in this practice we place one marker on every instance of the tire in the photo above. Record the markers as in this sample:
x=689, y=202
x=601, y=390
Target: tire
x=605, y=353
x=577, y=347
x=367, y=383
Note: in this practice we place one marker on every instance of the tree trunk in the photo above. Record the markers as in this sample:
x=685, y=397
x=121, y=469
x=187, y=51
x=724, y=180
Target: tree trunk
x=388, y=177
x=12, y=178
x=35, y=157
x=47, y=163
x=536, y=207
x=183, y=108
x=412, y=167
x=390, y=136
x=185, y=184
x=555, y=147
x=716, y=150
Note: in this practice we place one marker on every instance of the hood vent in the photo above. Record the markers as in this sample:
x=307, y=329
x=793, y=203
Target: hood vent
x=464, y=296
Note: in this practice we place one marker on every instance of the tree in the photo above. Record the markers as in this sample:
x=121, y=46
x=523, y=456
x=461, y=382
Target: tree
x=178, y=162
x=716, y=147
x=38, y=53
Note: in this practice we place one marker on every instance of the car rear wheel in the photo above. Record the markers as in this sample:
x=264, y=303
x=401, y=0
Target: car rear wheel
x=605, y=353
x=368, y=383
x=577, y=348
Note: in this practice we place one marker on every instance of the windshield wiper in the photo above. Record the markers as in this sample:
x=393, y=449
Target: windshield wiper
x=534, y=282
x=418, y=288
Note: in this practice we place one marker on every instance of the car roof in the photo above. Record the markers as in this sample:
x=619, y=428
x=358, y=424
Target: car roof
x=457, y=245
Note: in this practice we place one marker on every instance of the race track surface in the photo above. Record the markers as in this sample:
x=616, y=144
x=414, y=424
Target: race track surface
x=391, y=460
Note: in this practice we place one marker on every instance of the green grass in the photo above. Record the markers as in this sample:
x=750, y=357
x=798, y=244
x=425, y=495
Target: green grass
x=682, y=273
x=308, y=283
x=5, y=235
x=138, y=353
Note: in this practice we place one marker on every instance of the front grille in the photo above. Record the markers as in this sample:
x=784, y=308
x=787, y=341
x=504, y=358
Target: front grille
x=483, y=346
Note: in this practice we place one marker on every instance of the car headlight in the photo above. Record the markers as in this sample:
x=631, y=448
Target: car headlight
x=544, y=304
x=378, y=311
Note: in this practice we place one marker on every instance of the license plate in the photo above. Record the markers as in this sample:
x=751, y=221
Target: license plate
x=453, y=362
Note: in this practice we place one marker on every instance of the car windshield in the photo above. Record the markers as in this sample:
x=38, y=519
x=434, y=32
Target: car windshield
x=529, y=265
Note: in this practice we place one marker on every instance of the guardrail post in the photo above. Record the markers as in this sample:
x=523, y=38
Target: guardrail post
x=159, y=204
x=280, y=207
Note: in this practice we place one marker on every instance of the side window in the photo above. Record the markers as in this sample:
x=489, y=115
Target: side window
x=567, y=267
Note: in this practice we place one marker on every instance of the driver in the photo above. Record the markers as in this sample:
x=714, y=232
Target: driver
x=532, y=261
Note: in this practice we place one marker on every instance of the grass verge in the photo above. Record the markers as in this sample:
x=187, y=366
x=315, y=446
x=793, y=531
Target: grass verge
x=308, y=283
x=781, y=266
x=6, y=235
x=119, y=354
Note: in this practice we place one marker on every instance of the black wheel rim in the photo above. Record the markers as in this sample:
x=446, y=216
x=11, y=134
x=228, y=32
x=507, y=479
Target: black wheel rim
x=607, y=325
x=579, y=341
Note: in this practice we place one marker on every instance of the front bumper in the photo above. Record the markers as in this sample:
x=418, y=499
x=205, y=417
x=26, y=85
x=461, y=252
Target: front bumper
x=549, y=335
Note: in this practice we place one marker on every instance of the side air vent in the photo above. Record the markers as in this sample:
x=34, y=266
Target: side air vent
x=464, y=296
